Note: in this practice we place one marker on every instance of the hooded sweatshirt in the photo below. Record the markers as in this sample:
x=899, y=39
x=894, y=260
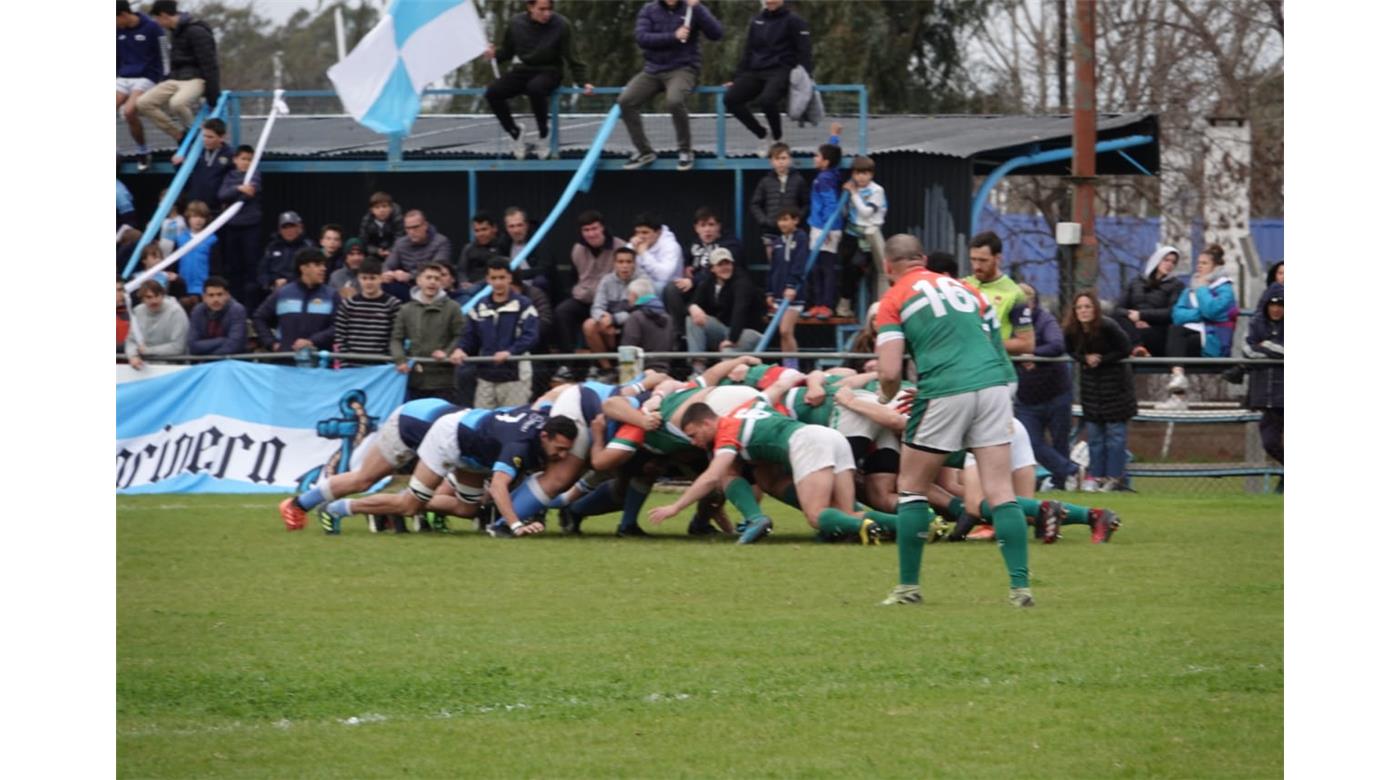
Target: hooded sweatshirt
x=592, y=265
x=164, y=332
x=662, y=262
x=1210, y=310
x=423, y=327
x=1265, y=341
x=1151, y=297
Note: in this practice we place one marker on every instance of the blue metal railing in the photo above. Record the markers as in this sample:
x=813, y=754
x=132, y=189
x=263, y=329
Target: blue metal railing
x=862, y=122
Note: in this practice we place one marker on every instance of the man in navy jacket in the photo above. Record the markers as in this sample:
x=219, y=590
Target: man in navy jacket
x=778, y=41
x=1044, y=392
x=302, y=312
x=219, y=325
x=672, y=56
x=502, y=324
x=140, y=66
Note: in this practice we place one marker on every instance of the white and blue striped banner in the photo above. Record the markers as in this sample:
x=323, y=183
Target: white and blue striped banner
x=234, y=427
x=381, y=81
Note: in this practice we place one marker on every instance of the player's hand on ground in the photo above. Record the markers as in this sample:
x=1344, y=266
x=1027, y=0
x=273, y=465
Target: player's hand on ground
x=661, y=513
x=528, y=529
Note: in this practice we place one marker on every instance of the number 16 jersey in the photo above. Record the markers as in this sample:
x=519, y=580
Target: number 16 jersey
x=950, y=331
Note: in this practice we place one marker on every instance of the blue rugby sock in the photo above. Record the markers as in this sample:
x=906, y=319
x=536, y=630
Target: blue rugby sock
x=339, y=507
x=632, y=503
x=601, y=501
x=310, y=499
x=529, y=499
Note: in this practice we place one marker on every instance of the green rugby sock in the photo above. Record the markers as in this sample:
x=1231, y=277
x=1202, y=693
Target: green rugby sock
x=887, y=522
x=834, y=522
x=1076, y=514
x=1010, y=524
x=913, y=528
x=740, y=494
x=955, y=508
x=1030, y=506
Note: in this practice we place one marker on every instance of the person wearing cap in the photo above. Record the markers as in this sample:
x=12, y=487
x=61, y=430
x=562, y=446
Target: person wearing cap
x=276, y=267
x=301, y=313
x=727, y=312
x=346, y=279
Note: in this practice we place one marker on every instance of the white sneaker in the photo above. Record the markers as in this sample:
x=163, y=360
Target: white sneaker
x=1072, y=482
x=843, y=308
x=542, y=150
x=1176, y=402
x=1178, y=384
x=520, y=147
x=764, y=145
x=1089, y=485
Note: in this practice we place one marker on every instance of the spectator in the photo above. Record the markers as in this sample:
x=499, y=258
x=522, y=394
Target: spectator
x=214, y=163
x=728, y=310
x=364, y=321
x=787, y=266
x=543, y=41
x=820, y=289
x=159, y=327
x=426, y=327
x=219, y=324
x=421, y=244
x=592, y=257
x=332, y=239
x=126, y=206
x=778, y=41
x=861, y=241
x=194, y=266
x=241, y=235
x=1145, y=311
x=545, y=311
x=299, y=315
x=1275, y=275
x=381, y=226
x=777, y=190
x=658, y=252
x=140, y=66
x=346, y=280
x=1044, y=395
x=501, y=325
x=123, y=317
x=538, y=267
x=1265, y=341
x=169, y=280
x=1105, y=389
x=1003, y=294
x=648, y=326
x=276, y=267
x=194, y=71
x=611, y=305
x=173, y=223
x=709, y=238
x=1203, y=319
x=671, y=57
x=486, y=243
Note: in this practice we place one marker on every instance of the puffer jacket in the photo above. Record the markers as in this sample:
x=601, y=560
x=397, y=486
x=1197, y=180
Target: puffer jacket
x=1151, y=297
x=1106, y=392
x=1213, y=306
x=195, y=55
x=771, y=195
x=1265, y=340
x=777, y=39
x=656, y=35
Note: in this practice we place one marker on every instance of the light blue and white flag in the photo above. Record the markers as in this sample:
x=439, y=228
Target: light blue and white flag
x=382, y=80
x=234, y=427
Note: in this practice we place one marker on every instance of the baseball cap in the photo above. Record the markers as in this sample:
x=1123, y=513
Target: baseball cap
x=289, y=218
x=721, y=255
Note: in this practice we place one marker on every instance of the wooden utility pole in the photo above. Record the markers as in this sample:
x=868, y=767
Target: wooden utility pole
x=1086, y=257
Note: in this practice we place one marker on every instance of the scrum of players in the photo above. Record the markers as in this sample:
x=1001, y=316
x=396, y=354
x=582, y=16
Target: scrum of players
x=820, y=442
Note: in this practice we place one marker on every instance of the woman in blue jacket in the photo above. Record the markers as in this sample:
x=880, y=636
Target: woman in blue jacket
x=1203, y=320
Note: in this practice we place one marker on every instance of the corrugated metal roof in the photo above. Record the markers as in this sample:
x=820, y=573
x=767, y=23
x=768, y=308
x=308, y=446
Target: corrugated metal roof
x=479, y=135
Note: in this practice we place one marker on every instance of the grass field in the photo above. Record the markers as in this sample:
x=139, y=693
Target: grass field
x=246, y=651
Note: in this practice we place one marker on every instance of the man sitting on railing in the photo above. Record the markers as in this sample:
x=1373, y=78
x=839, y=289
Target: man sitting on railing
x=543, y=43
x=194, y=71
x=672, y=56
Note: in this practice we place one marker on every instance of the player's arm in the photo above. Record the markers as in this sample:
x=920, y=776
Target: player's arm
x=716, y=373
x=701, y=487
x=499, y=489
x=780, y=387
x=816, y=388
x=618, y=408
x=881, y=414
x=889, y=365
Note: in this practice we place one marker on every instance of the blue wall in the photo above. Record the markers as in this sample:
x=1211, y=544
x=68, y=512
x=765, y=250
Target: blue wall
x=1124, y=243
